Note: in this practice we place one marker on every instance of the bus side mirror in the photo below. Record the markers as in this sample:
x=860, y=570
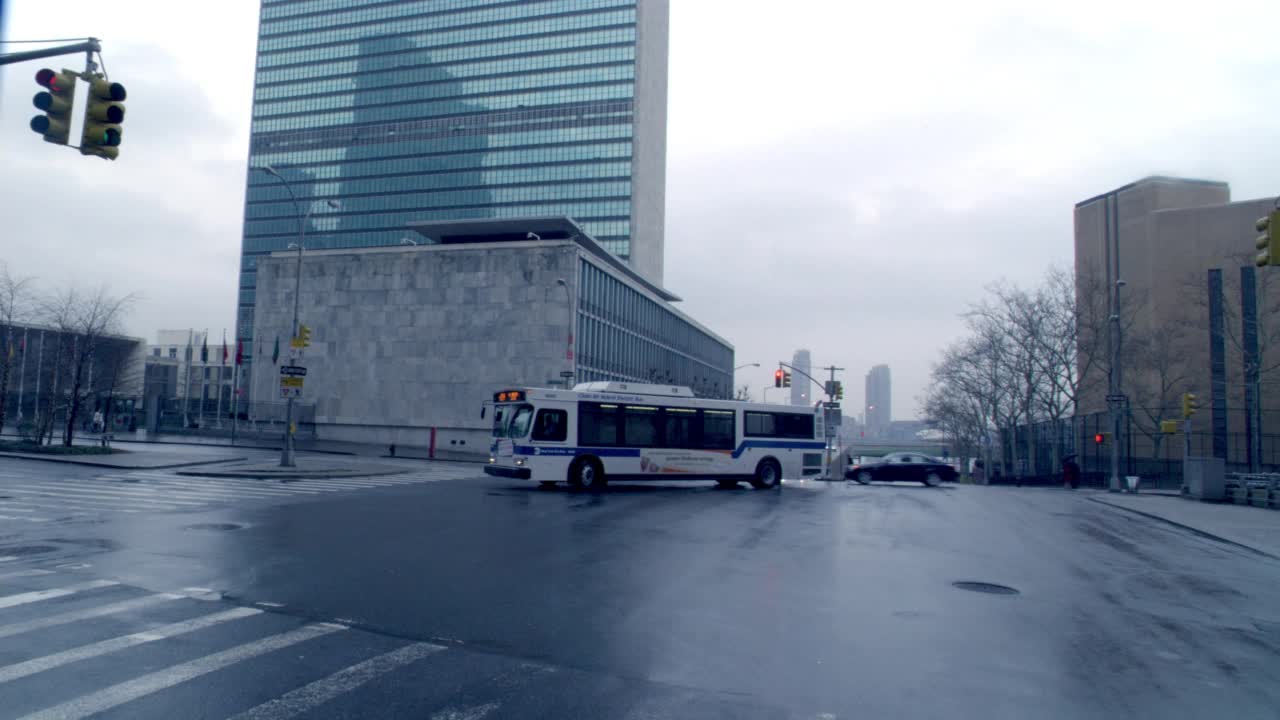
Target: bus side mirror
x=482, y=409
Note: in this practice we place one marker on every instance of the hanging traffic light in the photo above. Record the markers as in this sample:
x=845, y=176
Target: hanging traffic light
x=786, y=379
x=102, y=117
x=1189, y=405
x=304, y=336
x=56, y=102
x=839, y=390
x=1268, y=243
x=777, y=378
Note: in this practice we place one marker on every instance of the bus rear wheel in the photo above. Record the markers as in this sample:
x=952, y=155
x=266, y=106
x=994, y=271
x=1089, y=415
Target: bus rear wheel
x=768, y=475
x=586, y=474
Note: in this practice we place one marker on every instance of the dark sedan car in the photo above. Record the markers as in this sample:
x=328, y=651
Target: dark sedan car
x=907, y=467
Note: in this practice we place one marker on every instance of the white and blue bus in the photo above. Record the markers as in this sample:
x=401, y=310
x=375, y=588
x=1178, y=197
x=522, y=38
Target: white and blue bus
x=603, y=431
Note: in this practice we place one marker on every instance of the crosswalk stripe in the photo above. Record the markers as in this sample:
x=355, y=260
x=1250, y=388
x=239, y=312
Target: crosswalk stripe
x=312, y=695
x=28, y=518
x=24, y=573
x=8, y=558
x=79, y=495
x=84, y=652
x=199, y=496
x=124, y=692
x=90, y=491
x=226, y=491
x=9, y=601
x=15, y=509
x=77, y=615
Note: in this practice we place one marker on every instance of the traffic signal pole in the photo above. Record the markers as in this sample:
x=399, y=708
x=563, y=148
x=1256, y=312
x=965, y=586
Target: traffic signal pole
x=88, y=47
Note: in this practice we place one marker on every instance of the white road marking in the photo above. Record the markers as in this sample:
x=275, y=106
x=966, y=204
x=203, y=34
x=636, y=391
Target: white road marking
x=84, y=652
x=25, y=573
x=124, y=692
x=8, y=558
x=28, y=518
x=77, y=615
x=86, y=497
x=471, y=713
x=8, y=601
x=312, y=695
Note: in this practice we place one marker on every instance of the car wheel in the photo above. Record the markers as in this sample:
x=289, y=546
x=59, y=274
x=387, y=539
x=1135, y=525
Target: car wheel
x=863, y=477
x=768, y=475
x=586, y=474
x=933, y=479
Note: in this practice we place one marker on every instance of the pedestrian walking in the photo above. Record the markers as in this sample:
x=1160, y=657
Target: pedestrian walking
x=1070, y=473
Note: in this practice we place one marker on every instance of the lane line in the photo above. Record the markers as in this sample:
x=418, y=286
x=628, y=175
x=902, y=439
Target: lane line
x=28, y=518
x=77, y=615
x=124, y=692
x=312, y=695
x=99, y=493
x=9, y=601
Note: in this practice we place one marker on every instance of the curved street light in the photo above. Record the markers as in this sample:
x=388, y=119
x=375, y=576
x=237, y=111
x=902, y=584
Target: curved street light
x=747, y=365
x=286, y=452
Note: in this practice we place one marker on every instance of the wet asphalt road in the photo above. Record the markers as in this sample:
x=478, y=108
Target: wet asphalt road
x=449, y=595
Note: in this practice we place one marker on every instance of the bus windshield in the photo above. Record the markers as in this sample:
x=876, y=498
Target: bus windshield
x=512, y=421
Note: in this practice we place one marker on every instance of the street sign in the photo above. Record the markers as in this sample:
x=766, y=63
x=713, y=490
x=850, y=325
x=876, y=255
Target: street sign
x=831, y=404
x=1117, y=398
x=291, y=385
x=293, y=371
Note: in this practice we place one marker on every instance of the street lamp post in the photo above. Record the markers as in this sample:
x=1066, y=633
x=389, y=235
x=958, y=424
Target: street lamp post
x=1117, y=383
x=287, y=452
x=747, y=365
x=568, y=345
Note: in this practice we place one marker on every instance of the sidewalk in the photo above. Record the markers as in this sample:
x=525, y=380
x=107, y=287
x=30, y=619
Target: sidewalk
x=1255, y=528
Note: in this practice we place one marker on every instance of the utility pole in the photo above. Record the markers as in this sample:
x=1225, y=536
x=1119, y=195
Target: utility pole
x=1115, y=399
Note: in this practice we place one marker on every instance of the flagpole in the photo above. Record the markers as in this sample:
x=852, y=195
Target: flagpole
x=186, y=383
x=39, y=369
x=204, y=373
x=22, y=377
x=221, y=367
x=235, y=394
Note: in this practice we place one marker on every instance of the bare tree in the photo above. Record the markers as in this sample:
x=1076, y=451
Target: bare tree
x=84, y=321
x=743, y=393
x=1161, y=377
x=15, y=306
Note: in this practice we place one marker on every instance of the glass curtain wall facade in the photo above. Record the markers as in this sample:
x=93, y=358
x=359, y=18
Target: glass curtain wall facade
x=624, y=335
x=416, y=110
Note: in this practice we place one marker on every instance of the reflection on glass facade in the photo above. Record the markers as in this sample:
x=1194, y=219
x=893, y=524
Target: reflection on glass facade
x=623, y=335
x=408, y=111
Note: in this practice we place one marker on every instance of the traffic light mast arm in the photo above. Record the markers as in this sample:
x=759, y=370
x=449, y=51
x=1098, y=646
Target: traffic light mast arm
x=89, y=46
x=811, y=378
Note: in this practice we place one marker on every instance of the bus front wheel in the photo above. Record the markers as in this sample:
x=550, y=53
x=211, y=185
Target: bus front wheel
x=768, y=475
x=586, y=474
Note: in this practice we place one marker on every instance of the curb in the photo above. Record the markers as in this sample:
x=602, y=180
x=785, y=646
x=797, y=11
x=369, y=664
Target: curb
x=287, y=476
x=1188, y=528
x=227, y=444
x=89, y=463
x=428, y=459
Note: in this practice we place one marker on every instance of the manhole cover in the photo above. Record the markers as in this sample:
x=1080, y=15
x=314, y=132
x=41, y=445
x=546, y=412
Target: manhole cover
x=985, y=587
x=214, y=526
x=21, y=550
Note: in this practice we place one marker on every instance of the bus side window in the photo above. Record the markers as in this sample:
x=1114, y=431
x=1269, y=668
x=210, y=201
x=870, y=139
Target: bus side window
x=551, y=426
x=717, y=429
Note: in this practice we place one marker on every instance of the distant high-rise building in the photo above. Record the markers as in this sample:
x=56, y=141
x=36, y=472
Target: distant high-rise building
x=878, y=404
x=801, y=388
x=381, y=115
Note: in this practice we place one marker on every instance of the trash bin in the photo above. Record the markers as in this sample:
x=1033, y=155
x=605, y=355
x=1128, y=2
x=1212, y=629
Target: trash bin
x=1132, y=482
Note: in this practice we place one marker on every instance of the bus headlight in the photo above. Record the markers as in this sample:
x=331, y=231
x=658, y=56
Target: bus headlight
x=520, y=461
x=492, y=460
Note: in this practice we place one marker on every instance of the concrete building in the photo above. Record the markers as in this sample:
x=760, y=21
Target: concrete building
x=878, y=403
x=1162, y=236
x=802, y=390
x=409, y=341
x=381, y=116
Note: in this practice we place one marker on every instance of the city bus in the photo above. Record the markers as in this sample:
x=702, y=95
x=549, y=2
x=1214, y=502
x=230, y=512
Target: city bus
x=602, y=431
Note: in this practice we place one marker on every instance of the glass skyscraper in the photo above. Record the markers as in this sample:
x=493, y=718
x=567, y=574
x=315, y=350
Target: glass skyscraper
x=407, y=111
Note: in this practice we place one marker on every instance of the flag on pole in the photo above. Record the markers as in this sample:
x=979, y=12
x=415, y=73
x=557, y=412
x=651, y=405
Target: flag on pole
x=275, y=354
x=224, y=347
x=240, y=352
x=204, y=348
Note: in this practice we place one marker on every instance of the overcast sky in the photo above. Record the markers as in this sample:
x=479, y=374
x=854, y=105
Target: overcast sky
x=843, y=177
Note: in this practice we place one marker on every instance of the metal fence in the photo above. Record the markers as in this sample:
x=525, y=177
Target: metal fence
x=1154, y=457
